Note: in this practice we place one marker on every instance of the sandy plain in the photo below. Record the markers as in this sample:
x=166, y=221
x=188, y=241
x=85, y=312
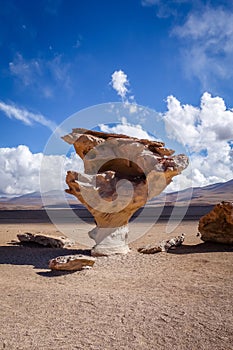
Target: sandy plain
x=179, y=300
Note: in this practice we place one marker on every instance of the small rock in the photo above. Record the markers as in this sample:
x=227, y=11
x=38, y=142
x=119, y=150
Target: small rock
x=163, y=246
x=45, y=240
x=171, y=243
x=150, y=249
x=71, y=262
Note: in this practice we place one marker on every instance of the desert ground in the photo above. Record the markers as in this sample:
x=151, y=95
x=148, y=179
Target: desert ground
x=177, y=300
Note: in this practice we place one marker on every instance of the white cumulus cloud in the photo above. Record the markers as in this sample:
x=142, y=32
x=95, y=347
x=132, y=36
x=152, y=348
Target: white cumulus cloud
x=119, y=83
x=127, y=129
x=207, y=134
x=21, y=172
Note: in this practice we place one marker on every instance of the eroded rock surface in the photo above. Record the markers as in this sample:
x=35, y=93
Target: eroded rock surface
x=71, y=262
x=121, y=174
x=45, y=240
x=217, y=225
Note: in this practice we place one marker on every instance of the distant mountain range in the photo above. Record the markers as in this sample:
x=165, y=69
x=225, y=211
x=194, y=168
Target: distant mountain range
x=197, y=196
x=34, y=200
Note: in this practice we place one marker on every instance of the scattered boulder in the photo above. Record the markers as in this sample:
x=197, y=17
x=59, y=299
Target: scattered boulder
x=163, y=246
x=217, y=225
x=45, y=240
x=71, y=262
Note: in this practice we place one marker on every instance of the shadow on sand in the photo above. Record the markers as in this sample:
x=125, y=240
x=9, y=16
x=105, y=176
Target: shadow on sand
x=36, y=256
x=205, y=247
x=32, y=254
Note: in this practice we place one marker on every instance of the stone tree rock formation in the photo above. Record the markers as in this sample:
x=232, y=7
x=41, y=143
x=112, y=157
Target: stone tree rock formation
x=121, y=174
x=217, y=225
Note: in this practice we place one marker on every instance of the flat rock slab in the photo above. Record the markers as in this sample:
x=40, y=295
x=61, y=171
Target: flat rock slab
x=71, y=262
x=163, y=246
x=45, y=240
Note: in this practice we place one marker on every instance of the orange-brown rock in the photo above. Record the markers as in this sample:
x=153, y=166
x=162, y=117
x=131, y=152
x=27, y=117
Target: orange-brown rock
x=121, y=174
x=217, y=225
x=71, y=262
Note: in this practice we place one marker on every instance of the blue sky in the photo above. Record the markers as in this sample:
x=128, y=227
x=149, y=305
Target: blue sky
x=57, y=57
